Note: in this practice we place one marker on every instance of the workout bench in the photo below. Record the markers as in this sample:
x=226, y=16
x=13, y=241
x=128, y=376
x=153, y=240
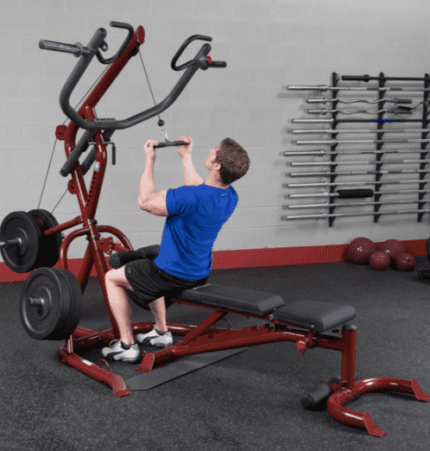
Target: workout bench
x=307, y=323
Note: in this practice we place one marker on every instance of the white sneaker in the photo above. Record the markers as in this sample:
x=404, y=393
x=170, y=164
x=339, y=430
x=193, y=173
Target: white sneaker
x=153, y=338
x=117, y=350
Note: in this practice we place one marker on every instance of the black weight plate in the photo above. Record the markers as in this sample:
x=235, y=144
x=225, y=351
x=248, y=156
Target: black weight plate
x=49, y=321
x=22, y=257
x=49, y=249
x=76, y=304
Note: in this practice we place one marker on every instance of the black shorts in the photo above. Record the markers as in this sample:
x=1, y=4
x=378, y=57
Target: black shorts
x=150, y=282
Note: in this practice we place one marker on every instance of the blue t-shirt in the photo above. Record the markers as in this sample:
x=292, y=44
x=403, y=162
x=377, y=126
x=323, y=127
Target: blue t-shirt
x=196, y=215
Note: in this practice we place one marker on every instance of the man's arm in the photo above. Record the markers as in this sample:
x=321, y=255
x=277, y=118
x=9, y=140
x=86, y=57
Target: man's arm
x=155, y=204
x=190, y=174
x=149, y=199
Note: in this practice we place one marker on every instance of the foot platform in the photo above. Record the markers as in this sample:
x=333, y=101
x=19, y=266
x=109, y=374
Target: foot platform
x=364, y=420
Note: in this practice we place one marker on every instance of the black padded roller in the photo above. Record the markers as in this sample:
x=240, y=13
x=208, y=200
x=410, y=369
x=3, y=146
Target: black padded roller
x=321, y=392
x=122, y=258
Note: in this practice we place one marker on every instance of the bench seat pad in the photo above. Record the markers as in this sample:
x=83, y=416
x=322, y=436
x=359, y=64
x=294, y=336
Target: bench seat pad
x=233, y=298
x=319, y=316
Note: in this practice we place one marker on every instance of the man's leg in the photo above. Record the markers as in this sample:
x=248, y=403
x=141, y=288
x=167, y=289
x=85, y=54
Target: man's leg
x=158, y=309
x=116, y=283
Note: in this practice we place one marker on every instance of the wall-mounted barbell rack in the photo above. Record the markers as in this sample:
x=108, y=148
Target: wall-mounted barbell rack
x=401, y=108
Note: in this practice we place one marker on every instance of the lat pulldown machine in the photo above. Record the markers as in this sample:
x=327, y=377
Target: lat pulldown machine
x=51, y=300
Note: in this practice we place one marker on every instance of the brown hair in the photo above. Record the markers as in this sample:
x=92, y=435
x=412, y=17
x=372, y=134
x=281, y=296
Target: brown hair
x=234, y=161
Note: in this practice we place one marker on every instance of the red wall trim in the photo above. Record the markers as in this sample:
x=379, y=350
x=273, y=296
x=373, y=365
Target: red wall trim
x=254, y=258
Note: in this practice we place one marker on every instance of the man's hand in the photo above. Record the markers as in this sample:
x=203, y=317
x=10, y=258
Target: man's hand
x=149, y=149
x=185, y=150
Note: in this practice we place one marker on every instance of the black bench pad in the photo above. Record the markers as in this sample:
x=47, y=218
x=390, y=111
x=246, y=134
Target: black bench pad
x=239, y=299
x=319, y=316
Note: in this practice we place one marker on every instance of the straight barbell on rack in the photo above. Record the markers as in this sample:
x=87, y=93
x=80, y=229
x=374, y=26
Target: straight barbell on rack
x=357, y=193
x=367, y=130
x=366, y=78
x=358, y=204
x=349, y=152
x=332, y=121
x=348, y=163
x=394, y=110
x=323, y=88
x=339, y=174
x=327, y=184
x=346, y=215
x=324, y=100
x=332, y=142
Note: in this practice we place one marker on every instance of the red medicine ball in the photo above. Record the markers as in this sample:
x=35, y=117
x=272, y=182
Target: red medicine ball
x=380, y=260
x=405, y=262
x=360, y=250
x=392, y=247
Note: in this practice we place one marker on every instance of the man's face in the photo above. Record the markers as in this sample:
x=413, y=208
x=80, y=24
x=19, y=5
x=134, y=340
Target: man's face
x=211, y=158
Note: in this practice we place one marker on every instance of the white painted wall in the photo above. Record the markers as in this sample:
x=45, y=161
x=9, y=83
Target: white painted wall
x=267, y=44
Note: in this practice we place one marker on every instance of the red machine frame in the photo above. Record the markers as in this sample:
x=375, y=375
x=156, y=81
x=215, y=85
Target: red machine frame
x=205, y=337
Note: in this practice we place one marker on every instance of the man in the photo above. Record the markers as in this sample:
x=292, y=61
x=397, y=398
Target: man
x=195, y=215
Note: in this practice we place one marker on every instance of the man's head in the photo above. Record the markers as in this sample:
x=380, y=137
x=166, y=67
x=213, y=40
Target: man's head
x=230, y=160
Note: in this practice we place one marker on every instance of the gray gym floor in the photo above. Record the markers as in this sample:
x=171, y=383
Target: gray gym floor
x=250, y=401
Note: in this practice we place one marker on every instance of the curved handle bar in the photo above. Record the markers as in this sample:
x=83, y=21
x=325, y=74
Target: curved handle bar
x=199, y=62
x=183, y=47
x=123, y=46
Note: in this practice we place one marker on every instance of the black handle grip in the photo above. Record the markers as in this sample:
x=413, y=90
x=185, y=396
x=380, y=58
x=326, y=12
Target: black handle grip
x=127, y=40
x=75, y=49
x=404, y=101
x=171, y=144
x=121, y=258
x=219, y=64
x=183, y=47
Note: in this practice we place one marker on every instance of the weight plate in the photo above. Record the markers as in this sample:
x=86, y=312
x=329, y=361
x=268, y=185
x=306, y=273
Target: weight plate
x=76, y=305
x=45, y=304
x=49, y=249
x=21, y=257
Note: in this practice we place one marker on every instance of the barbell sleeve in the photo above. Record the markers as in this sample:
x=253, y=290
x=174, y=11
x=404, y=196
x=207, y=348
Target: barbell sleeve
x=4, y=244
